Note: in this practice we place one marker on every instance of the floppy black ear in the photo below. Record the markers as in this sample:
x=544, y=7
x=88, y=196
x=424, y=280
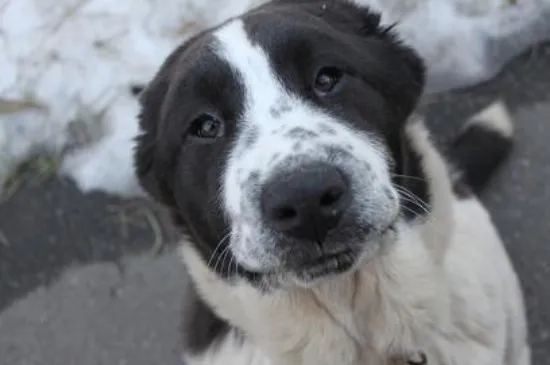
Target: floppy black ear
x=145, y=143
x=146, y=149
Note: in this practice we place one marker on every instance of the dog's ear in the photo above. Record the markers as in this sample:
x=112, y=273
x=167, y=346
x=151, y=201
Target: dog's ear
x=145, y=142
x=146, y=150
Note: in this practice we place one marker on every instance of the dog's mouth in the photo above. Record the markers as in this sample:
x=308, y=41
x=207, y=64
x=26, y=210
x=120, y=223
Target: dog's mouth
x=342, y=261
x=307, y=271
x=308, y=267
x=327, y=265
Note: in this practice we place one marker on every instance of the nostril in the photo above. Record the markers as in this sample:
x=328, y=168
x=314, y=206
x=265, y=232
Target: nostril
x=285, y=213
x=331, y=197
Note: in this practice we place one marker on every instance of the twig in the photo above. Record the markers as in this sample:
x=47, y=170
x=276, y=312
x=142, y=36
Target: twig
x=158, y=245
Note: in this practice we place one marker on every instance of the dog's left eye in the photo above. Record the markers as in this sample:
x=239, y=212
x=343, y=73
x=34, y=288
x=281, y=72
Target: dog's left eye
x=206, y=126
x=326, y=80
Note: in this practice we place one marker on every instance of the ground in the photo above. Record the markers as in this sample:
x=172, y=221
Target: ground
x=82, y=280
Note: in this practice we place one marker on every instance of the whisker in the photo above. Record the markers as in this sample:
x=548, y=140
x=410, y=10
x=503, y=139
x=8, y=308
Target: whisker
x=436, y=229
x=228, y=266
x=409, y=200
x=228, y=269
x=414, y=198
x=236, y=267
x=409, y=210
x=232, y=263
x=409, y=177
x=217, y=247
x=221, y=258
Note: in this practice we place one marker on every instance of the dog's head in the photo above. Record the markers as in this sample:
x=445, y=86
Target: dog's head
x=276, y=138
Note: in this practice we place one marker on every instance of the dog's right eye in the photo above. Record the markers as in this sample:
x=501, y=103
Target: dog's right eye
x=326, y=80
x=206, y=126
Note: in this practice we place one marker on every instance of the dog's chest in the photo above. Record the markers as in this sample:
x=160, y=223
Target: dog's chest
x=347, y=322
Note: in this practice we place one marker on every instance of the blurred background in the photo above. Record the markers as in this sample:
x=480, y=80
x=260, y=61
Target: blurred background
x=88, y=272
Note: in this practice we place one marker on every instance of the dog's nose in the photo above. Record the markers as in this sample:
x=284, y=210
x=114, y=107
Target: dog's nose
x=306, y=203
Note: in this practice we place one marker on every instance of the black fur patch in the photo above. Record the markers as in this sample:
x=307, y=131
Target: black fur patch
x=410, y=179
x=200, y=328
x=478, y=152
x=180, y=172
x=301, y=36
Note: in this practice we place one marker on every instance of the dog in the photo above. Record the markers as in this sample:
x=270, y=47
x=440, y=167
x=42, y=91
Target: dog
x=321, y=223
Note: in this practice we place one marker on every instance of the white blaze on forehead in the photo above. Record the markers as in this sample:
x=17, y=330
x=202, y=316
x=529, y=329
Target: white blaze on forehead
x=263, y=92
x=261, y=85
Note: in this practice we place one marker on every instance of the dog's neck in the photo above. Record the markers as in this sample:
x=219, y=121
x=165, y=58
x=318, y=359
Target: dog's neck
x=383, y=310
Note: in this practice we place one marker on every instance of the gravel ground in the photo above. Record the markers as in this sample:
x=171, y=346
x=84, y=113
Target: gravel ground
x=79, y=283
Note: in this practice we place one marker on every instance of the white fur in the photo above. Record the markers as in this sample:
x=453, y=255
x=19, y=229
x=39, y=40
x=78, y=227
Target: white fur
x=445, y=287
x=252, y=246
x=231, y=351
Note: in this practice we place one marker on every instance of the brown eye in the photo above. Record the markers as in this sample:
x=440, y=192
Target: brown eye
x=327, y=78
x=207, y=127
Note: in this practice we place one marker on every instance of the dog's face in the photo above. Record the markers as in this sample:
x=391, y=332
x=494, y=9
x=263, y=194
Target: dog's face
x=276, y=137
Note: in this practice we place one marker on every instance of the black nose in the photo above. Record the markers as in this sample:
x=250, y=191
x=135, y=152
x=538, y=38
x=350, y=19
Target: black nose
x=306, y=203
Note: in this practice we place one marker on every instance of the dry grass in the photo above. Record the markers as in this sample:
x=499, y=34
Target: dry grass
x=35, y=169
x=12, y=106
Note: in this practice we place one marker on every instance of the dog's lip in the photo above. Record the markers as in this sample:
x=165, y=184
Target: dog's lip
x=329, y=264
x=324, y=258
x=323, y=265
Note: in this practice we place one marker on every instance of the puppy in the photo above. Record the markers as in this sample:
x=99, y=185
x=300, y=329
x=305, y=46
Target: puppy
x=322, y=226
